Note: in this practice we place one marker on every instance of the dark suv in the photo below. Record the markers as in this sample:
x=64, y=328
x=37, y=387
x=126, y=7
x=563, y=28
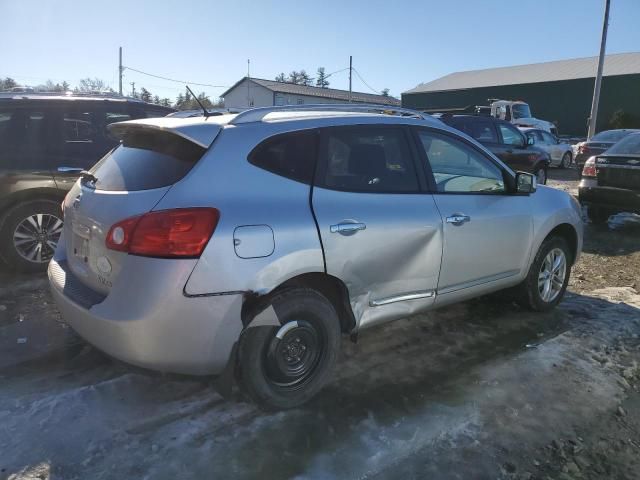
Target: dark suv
x=505, y=141
x=46, y=140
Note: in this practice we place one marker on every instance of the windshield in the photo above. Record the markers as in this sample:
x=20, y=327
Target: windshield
x=610, y=136
x=521, y=110
x=628, y=145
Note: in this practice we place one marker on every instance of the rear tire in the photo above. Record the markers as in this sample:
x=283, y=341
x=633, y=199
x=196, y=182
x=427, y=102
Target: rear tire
x=286, y=372
x=29, y=233
x=546, y=283
x=566, y=160
x=541, y=175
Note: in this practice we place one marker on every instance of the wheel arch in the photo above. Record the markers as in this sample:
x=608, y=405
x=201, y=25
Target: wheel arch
x=30, y=195
x=329, y=286
x=569, y=234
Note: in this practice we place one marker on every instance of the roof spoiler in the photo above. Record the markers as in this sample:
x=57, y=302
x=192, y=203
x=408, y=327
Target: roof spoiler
x=195, y=130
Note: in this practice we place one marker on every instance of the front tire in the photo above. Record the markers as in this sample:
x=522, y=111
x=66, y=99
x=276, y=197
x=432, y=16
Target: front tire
x=29, y=234
x=284, y=367
x=548, y=277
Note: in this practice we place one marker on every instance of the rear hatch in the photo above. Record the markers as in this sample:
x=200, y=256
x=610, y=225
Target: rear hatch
x=130, y=180
x=620, y=171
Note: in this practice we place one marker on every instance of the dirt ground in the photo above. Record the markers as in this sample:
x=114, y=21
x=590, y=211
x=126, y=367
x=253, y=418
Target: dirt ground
x=481, y=390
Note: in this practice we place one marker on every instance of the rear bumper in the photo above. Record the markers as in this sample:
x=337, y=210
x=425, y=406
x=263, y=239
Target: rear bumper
x=621, y=199
x=147, y=321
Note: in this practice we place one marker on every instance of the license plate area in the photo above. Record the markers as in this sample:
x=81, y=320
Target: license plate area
x=81, y=240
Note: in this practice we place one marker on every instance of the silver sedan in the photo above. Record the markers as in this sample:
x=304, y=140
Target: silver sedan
x=561, y=153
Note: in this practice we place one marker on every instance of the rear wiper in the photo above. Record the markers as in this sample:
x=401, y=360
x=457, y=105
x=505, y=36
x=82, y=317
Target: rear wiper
x=88, y=177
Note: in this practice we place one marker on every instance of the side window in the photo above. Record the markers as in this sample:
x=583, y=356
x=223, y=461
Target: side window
x=291, y=155
x=366, y=159
x=548, y=138
x=79, y=127
x=510, y=135
x=23, y=139
x=483, y=131
x=458, y=168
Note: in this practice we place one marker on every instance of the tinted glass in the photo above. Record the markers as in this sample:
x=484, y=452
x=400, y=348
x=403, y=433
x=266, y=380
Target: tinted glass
x=630, y=145
x=366, y=159
x=23, y=139
x=458, y=168
x=610, y=135
x=479, y=128
x=146, y=160
x=510, y=135
x=291, y=155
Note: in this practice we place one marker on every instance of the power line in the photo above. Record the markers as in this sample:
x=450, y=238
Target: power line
x=363, y=81
x=184, y=82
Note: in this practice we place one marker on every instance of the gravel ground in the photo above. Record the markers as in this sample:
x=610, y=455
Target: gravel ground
x=477, y=390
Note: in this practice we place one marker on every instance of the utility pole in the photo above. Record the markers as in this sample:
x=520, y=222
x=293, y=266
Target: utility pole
x=120, y=70
x=596, y=91
x=350, y=69
x=133, y=89
x=248, y=83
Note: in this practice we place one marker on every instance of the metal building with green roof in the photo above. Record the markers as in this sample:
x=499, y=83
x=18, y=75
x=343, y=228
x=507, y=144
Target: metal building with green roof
x=559, y=91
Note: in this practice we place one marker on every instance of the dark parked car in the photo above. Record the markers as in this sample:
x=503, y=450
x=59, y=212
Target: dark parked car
x=611, y=181
x=505, y=141
x=599, y=143
x=46, y=140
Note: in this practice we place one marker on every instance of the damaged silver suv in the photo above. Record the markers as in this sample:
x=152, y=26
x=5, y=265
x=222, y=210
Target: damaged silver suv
x=244, y=245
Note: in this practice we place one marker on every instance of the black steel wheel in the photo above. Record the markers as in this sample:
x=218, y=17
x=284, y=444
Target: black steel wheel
x=284, y=367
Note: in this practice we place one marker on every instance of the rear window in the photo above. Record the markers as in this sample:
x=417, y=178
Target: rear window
x=146, y=160
x=610, y=135
x=629, y=145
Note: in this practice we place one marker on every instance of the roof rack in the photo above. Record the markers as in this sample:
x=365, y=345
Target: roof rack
x=258, y=114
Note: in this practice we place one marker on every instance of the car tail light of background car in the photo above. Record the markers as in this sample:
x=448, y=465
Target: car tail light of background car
x=177, y=233
x=589, y=169
x=583, y=149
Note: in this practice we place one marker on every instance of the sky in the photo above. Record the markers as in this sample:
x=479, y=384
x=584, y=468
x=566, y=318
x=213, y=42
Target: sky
x=395, y=44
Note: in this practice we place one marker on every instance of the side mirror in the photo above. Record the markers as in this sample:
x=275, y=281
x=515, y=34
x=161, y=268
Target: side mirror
x=530, y=140
x=525, y=182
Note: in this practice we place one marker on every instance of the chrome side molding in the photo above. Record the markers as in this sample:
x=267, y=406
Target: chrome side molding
x=402, y=298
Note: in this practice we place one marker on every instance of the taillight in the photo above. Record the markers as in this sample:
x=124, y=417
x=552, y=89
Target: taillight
x=583, y=149
x=589, y=169
x=182, y=232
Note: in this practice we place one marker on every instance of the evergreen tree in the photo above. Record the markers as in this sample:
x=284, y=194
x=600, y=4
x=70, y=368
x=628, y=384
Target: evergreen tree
x=321, y=79
x=281, y=78
x=145, y=95
x=156, y=99
x=385, y=92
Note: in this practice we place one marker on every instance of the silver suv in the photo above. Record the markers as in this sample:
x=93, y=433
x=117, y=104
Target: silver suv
x=247, y=244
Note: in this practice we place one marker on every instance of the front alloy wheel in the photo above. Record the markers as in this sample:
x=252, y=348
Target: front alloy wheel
x=548, y=277
x=552, y=274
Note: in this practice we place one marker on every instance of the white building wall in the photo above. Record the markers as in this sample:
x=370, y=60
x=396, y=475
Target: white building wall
x=259, y=96
x=263, y=97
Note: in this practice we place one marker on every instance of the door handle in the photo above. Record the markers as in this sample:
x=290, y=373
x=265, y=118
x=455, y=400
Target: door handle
x=347, y=228
x=70, y=169
x=458, y=219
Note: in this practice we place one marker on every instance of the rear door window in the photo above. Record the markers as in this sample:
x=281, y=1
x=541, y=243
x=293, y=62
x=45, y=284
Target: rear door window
x=146, y=160
x=366, y=159
x=24, y=138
